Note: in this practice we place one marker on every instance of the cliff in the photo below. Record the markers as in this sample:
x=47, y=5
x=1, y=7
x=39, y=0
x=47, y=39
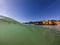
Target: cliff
x=45, y=22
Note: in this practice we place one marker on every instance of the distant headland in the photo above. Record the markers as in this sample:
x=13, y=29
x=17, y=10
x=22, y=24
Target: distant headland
x=45, y=22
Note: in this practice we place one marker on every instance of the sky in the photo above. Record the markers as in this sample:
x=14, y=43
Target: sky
x=30, y=10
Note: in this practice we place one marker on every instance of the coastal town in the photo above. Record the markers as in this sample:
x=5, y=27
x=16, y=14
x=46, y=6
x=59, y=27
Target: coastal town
x=45, y=22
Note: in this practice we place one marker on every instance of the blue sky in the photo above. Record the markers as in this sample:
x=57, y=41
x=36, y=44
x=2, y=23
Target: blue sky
x=30, y=10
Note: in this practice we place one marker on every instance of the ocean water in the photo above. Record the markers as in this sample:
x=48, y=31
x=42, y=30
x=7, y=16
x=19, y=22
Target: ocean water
x=21, y=34
x=50, y=33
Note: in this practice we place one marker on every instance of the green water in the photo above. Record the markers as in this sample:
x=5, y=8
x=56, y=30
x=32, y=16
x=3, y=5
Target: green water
x=18, y=34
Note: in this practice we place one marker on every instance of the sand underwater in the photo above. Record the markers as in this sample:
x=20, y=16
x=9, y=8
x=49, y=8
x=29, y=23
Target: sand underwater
x=19, y=34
